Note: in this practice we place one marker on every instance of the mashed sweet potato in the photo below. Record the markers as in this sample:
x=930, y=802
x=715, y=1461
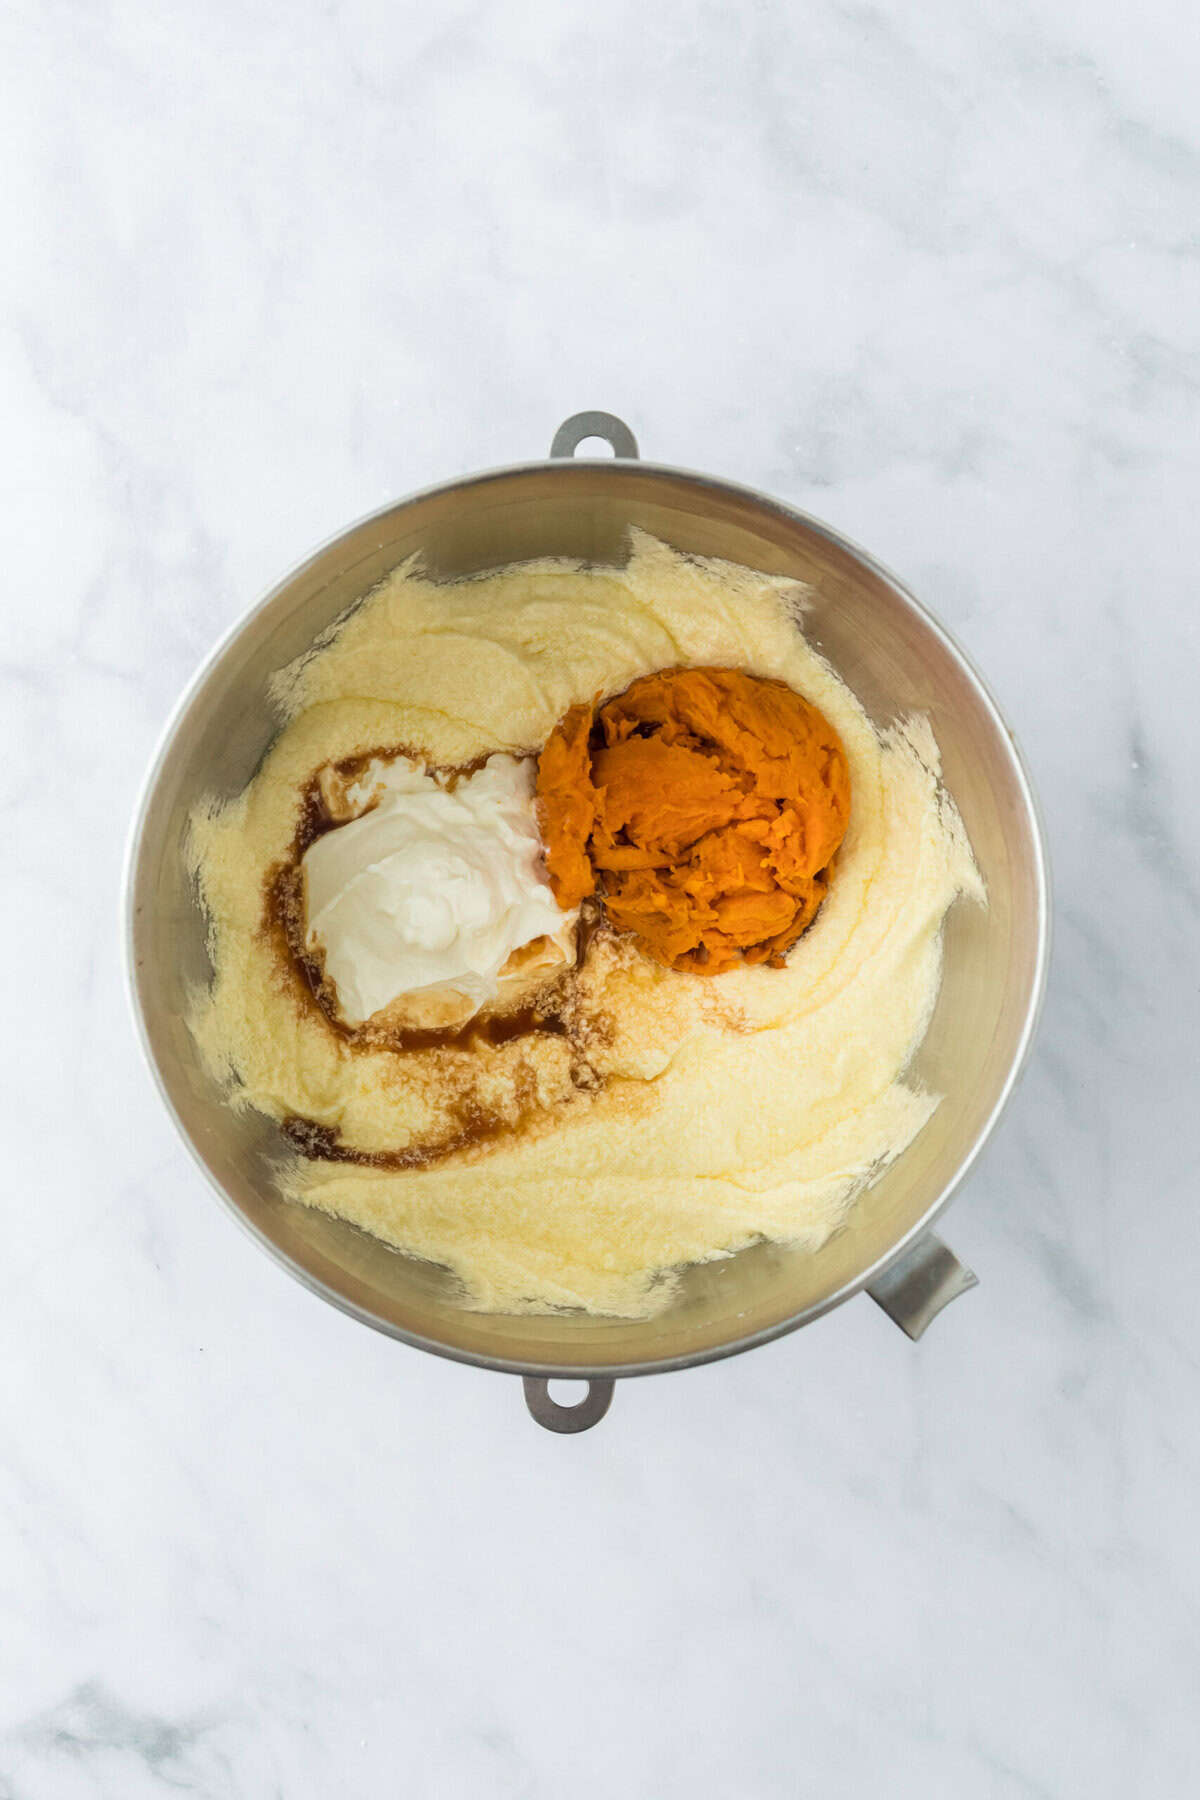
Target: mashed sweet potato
x=704, y=806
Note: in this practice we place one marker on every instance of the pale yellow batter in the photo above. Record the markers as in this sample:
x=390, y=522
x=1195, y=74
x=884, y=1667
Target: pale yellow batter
x=684, y=1116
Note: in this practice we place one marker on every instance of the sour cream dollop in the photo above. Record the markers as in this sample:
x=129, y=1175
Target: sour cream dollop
x=433, y=888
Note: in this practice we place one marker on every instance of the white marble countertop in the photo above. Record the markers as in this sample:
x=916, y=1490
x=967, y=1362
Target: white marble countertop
x=932, y=274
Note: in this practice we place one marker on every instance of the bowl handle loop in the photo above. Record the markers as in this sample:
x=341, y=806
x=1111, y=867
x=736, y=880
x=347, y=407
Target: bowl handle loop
x=547, y=1411
x=917, y=1286
x=614, y=431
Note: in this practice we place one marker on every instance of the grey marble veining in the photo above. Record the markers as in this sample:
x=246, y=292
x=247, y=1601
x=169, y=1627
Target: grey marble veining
x=930, y=273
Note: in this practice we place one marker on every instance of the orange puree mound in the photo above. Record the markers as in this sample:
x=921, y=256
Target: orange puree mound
x=705, y=806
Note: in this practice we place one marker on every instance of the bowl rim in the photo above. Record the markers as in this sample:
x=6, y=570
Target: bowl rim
x=793, y=1322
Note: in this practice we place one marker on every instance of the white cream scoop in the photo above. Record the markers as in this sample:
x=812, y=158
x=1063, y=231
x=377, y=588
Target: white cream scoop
x=431, y=888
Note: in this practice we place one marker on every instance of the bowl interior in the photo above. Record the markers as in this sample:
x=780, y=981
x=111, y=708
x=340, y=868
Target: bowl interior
x=893, y=657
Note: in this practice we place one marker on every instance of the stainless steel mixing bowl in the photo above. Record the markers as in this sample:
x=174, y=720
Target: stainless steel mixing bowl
x=896, y=658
